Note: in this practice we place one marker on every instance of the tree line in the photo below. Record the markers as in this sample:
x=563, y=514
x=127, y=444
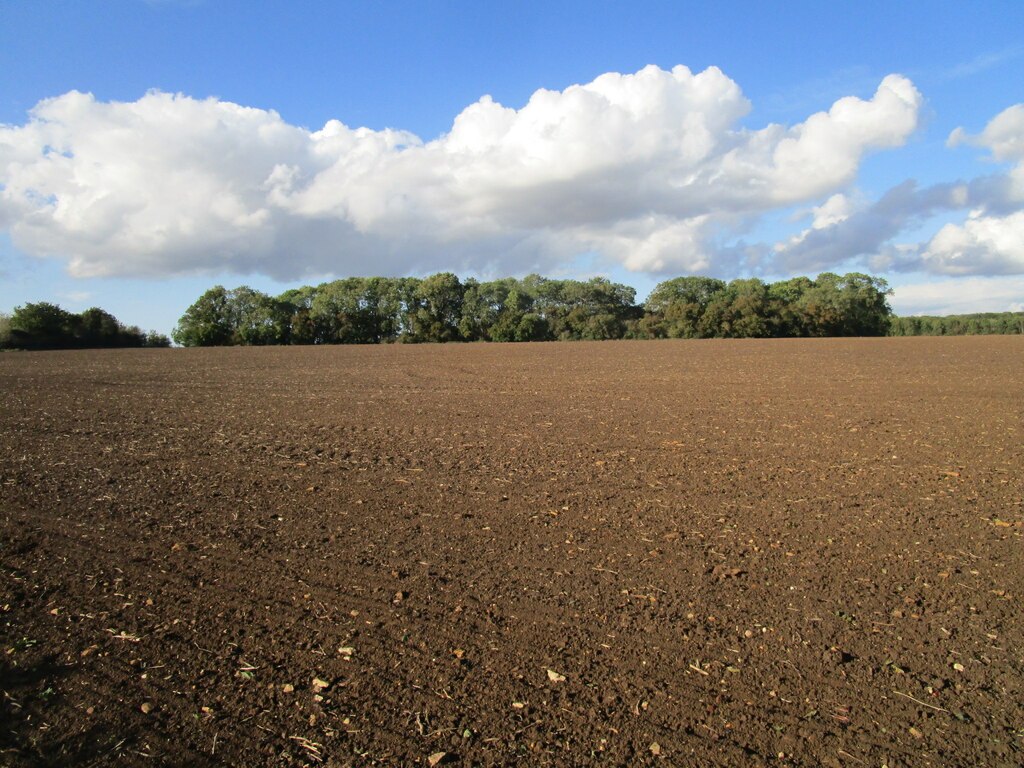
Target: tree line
x=47, y=326
x=981, y=323
x=443, y=308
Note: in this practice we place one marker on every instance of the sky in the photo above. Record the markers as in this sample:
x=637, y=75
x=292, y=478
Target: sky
x=151, y=149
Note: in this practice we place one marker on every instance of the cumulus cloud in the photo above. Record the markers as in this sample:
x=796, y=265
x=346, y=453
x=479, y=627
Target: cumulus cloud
x=982, y=245
x=844, y=229
x=1003, y=136
x=645, y=170
x=960, y=296
x=991, y=240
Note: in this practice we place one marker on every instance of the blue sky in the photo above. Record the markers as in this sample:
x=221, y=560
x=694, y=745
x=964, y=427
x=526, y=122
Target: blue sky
x=149, y=150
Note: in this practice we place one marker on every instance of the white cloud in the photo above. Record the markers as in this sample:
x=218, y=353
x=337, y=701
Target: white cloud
x=1004, y=135
x=992, y=245
x=646, y=170
x=833, y=212
x=844, y=229
x=991, y=240
x=960, y=296
x=826, y=149
x=1004, y=138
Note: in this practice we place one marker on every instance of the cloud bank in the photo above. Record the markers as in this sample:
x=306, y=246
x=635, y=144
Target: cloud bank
x=960, y=296
x=651, y=171
x=989, y=242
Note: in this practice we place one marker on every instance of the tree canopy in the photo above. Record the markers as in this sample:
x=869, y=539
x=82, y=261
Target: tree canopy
x=47, y=326
x=441, y=308
x=437, y=308
x=981, y=323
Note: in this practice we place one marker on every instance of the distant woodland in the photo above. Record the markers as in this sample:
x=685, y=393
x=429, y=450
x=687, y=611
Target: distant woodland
x=47, y=326
x=443, y=308
x=982, y=323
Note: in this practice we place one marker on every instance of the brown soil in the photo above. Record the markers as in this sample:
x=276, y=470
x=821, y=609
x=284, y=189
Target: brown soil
x=745, y=553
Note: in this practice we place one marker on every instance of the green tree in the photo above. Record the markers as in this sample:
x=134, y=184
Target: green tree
x=650, y=326
x=740, y=310
x=409, y=302
x=602, y=327
x=949, y=325
x=439, y=308
x=546, y=299
x=511, y=305
x=154, y=339
x=784, y=299
x=852, y=305
x=335, y=312
x=493, y=310
x=678, y=306
x=208, y=322
x=297, y=304
x=595, y=309
x=47, y=326
x=98, y=328
x=255, y=318
x=471, y=322
x=532, y=327
x=382, y=304
x=863, y=305
x=43, y=326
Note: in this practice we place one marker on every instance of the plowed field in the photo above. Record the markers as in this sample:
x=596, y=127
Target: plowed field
x=708, y=553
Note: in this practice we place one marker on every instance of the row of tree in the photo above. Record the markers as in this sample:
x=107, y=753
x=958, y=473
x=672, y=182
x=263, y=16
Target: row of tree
x=47, y=326
x=983, y=323
x=443, y=308
x=438, y=308
x=702, y=307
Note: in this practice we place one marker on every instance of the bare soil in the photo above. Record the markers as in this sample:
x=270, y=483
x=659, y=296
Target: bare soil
x=735, y=553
